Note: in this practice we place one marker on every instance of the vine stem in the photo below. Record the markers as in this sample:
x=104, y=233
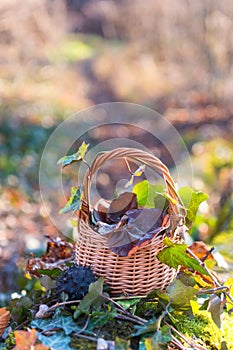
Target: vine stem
x=214, y=279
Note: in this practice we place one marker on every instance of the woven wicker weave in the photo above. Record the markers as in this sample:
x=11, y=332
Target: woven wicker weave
x=142, y=272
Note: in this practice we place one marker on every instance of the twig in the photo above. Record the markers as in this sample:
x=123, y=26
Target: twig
x=86, y=337
x=127, y=318
x=177, y=343
x=70, y=302
x=216, y=290
x=140, y=320
x=130, y=297
x=207, y=254
x=201, y=263
x=128, y=166
x=189, y=342
x=214, y=279
x=84, y=327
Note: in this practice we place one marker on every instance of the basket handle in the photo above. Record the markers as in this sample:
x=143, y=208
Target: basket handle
x=176, y=206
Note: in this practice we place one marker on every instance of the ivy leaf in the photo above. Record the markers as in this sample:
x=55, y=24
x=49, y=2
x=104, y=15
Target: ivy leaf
x=54, y=273
x=75, y=157
x=57, y=341
x=149, y=327
x=65, y=323
x=75, y=201
x=215, y=307
x=181, y=294
x=94, y=298
x=191, y=200
x=20, y=309
x=150, y=196
x=127, y=303
x=100, y=318
x=122, y=344
x=161, y=337
x=174, y=255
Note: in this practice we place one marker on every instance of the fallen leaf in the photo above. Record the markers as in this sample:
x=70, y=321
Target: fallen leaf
x=215, y=307
x=119, y=206
x=65, y=323
x=181, y=294
x=4, y=319
x=201, y=250
x=58, y=251
x=58, y=341
x=100, y=210
x=26, y=340
x=136, y=229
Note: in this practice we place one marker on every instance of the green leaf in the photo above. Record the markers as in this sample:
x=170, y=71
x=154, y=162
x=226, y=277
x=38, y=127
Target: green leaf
x=191, y=200
x=52, y=273
x=127, y=303
x=94, y=298
x=181, y=294
x=57, y=341
x=47, y=282
x=65, y=323
x=174, y=255
x=149, y=327
x=161, y=337
x=75, y=201
x=122, y=344
x=100, y=318
x=150, y=196
x=75, y=157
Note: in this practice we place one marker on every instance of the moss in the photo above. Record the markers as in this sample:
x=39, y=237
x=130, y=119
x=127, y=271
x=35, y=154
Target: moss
x=10, y=341
x=147, y=309
x=115, y=328
x=203, y=330
x=112, y=330
x=82, y=344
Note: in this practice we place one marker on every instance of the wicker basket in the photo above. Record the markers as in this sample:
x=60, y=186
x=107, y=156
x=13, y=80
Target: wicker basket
x=142, y=272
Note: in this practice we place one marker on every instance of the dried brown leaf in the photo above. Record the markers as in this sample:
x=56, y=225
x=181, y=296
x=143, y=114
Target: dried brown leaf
x=4, y=319
x=58, y=251
x=25, y=340
x=119, y=206
x=100, y=210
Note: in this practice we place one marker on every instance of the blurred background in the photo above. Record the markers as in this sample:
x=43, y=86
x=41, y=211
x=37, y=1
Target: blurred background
x=59, y=57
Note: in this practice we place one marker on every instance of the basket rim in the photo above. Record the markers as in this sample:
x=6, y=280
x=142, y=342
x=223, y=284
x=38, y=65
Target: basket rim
x=175, y=203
